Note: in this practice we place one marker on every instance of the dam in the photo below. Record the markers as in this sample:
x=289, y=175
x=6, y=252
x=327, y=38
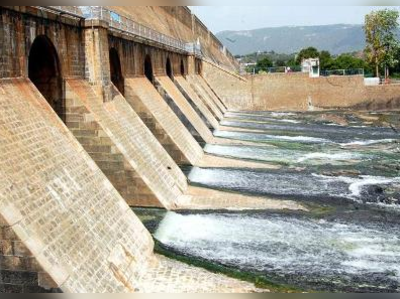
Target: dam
x=135, y=158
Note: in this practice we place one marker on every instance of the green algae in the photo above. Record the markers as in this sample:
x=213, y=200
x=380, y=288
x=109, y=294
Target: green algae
x=260, y=281
x=151, y=217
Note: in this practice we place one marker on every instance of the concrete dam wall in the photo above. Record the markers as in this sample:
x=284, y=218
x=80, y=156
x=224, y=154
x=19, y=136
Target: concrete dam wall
x=51, y=192
x=131, y=137
x=158, y=110
x=197, y=103
x=91, y=125
x=107, y=108
x=294, y=91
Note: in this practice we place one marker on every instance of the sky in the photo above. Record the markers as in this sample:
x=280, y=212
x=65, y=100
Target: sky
x=220, y=18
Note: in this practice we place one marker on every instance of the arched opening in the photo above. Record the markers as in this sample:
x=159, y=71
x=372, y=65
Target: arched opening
x=45, y=73
x=116, y=72
x=148, y=68
x=169, y=68
x=182, y=68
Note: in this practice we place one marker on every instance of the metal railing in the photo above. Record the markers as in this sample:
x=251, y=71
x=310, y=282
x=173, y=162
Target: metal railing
x=69, y=10
x=272, y=70
x=342, y=72
x=126, y=25
x=197, y=50
x=284, y=69
x=130, y=27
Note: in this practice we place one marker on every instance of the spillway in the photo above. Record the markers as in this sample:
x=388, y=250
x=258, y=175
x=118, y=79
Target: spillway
x=148, y=103
x=307, y=253
x=185, y=108
x=197, y=101
x=347, y=177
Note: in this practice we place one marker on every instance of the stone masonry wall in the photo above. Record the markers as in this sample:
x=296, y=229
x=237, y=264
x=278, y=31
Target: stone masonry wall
x=202, y=93
x=97, y=66
x=193, y=120
x=132, y=55
x=296, y=91
x=177, y=111
x=52, y=196
x=159, y=117
x=211, y=94
x=196, y=102
x=20, y=272
x=155, y=128
x=94, y=139
x=179, y=22
x=64, y=225
x=181, y=18
x=18, y=29
x=381, y=97
x=235, y=91
x=153, y=168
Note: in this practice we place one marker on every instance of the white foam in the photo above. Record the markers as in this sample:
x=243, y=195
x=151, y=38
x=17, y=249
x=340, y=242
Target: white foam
x=278, y=114
x=297, y=138
x=356, y=184
x=206, y=176
x=326, y=156
x=289, y=121
x=251, y=136
x=334, y=125
x=368, y=142
x=284, y=244
x=233, y=151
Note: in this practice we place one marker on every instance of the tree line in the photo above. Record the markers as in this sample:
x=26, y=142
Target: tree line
x=379, y=58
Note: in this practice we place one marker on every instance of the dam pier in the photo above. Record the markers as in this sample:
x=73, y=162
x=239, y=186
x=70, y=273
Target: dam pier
x=111, y=116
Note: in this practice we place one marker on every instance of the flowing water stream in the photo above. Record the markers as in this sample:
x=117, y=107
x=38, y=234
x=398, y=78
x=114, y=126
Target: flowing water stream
x=345, y=168
x=308, y=253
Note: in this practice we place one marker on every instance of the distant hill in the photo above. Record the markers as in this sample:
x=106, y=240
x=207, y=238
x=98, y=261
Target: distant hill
x=337, y=39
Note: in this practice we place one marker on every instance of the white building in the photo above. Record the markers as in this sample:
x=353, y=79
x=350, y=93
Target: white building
x=310, y=66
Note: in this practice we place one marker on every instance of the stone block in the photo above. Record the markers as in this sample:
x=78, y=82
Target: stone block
x=19, y=249
x=6, y=247
x=19, y=277
x=11, y=288
x=46, y=282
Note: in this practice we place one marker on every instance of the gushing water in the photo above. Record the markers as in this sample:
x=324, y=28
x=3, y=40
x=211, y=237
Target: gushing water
x=280, y=155
x=333, y=133
x=314, y=254
x=294, y=185
x=348, y=177
x=265, y=137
